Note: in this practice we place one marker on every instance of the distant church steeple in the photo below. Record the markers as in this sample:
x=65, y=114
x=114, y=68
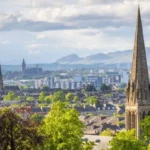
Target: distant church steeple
x=1, y=79
x=23, y=66
x=138, y=92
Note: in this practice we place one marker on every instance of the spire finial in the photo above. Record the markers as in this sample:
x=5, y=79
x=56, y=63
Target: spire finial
x=139, y=2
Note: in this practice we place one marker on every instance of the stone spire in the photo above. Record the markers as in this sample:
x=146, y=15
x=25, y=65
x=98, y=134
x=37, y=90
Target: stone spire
x=139, y=80
x=138, y=92
x=1, y=79
x=23, y=66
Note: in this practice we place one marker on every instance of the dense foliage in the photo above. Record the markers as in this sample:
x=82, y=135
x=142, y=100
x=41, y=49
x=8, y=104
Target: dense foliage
x=105, y=88
x=106, y=132
x=61, y=129
x=11, y=96
x=17, y=133
x=64, y=129
x=90, y=88
x=126, y=140
x=92, y=100
x=58, y=96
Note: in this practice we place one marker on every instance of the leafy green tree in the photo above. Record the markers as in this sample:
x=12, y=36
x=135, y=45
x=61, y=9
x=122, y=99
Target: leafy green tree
x=145, y=126
x=69, y=96
x=89, y=145
x=30, y=98
x=90, y=88
x=106, y=132
x=92, y=100
x=41, y=97
x=11, y=96
x=121, y=124
x=64, y=129
x=17, y=133
x=76, y=99
x=126, y=140
x=58, y=96
x=37, y=118
x=27, y=87
x=47, y=99
x=21, y=87
x=105, y=88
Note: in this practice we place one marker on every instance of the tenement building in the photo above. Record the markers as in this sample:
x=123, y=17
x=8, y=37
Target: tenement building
x=138, y=91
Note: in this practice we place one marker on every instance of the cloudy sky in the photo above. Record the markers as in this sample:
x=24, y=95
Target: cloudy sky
x=41, y=31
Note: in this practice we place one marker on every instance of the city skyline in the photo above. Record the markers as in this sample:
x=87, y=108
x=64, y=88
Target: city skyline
x=42, y=31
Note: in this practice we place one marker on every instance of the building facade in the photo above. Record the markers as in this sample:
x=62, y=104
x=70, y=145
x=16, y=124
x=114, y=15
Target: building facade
x=138, y=91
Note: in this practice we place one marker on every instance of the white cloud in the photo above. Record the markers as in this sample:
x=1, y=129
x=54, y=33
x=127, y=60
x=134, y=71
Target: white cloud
x=49, y=29
x=90, y=39
x=5, y=42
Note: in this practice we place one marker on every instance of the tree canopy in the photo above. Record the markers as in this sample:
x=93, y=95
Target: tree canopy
x=11, y=96
x=58, y=96
x=41, y=97
x=30, y=98
x=69, y=96
x=107, y=132
x=76, y=99
x=92, y=100
x=90, y=88
x=126, y=140
x=17, y=133
x=64, y=129
x=105, y=88
x=145, y=127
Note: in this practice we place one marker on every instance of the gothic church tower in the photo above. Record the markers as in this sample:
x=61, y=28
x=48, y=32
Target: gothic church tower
x=138, y=91
x=23, y=66
x=1, y=79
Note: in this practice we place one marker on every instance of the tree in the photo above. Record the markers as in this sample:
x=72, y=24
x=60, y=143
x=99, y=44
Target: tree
x=27, y=87
x=69, y=96
x=17, y=133
x=145, y=126
x=41, y=97
x=106, y=132
x=37, y=118
x=105, y=88
x=89, y=145
x=30, y=98
x=90, y=88
x=126, y=140
x=11, y=96
x=76, y=98
x=64, y=129
x=47, y=99
x=121, y=124
x=92, y=100
x=58, y=96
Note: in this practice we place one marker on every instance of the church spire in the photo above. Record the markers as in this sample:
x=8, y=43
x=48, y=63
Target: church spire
x=138, y=92
x=23, y=66
x=1, y=79
x=139, y=73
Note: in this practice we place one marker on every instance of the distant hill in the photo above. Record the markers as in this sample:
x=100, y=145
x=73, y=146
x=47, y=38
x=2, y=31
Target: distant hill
x=70, y=58
x=117, y=57
x=111, y=60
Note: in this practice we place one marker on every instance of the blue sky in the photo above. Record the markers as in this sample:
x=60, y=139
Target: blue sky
x=41, y=31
